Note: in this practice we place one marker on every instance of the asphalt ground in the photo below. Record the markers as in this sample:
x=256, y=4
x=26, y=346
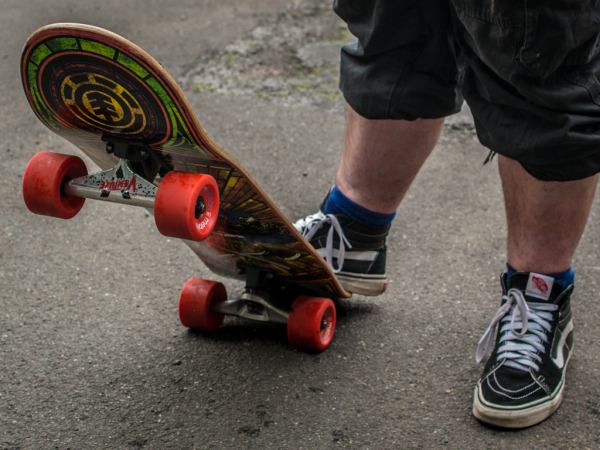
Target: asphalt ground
x=92, y=354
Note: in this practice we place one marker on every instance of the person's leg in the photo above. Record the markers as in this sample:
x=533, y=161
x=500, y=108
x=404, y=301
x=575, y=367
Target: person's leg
x=400, y=77
x=545, y=220
x=534, y=101
x=381, y=158
x=523, y=381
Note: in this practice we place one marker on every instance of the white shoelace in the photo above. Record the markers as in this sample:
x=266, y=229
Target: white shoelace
x=522, y=332
x=309, y=226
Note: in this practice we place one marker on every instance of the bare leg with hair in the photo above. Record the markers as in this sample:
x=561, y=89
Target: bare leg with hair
x=530, y=339
x=379, y=161
x=545, y=219
x=381, y=158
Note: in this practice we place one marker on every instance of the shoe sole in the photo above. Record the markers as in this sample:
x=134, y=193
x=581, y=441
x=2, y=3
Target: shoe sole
x=521, y=418
x=363, y=286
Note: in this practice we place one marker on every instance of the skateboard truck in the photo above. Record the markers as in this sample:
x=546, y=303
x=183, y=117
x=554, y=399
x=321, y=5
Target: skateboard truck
x=185, y=205
x=310, y=320
x=255, y=303
x=119, y=185
x=130, y=181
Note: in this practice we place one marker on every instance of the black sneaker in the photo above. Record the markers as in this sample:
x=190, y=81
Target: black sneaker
x=356, y=253
x=523, y=380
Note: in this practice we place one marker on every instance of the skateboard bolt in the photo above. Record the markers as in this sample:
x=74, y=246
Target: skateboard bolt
x=200, y=207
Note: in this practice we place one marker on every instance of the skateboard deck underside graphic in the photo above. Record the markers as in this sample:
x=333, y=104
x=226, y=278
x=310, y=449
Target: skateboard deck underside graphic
x=91, y=87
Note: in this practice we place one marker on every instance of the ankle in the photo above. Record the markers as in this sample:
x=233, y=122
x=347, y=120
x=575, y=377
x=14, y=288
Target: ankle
x=564, y=278
x=337, y=202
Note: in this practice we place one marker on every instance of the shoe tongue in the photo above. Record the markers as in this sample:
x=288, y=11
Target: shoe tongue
x=535, y=286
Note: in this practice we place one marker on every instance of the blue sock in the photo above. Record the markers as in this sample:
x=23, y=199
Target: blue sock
x=337, y=202
x=563, y=278
x=509, y=271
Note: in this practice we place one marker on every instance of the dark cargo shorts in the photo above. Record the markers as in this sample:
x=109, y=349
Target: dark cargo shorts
x=528, y=70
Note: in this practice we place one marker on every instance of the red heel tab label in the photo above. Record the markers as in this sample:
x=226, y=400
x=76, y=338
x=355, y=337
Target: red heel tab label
x=539, y=286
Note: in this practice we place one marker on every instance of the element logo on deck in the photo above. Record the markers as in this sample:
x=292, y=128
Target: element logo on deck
x=102, y=103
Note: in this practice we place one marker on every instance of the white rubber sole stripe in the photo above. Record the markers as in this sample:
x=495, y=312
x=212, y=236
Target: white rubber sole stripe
x=363, y=286
x=367, y=255
x=363, y=276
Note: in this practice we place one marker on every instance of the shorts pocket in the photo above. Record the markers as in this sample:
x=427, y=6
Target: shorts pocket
x=565, y=33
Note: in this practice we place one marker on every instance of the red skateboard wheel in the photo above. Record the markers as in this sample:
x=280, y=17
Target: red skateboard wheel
x=196, y=303
x=311, y=323
x=43, y=184
x=186, y=205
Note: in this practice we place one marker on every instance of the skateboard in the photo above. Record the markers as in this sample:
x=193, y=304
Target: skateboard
x=122, y=109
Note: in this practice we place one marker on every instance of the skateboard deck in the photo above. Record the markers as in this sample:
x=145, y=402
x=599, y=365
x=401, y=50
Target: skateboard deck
x=92, y=86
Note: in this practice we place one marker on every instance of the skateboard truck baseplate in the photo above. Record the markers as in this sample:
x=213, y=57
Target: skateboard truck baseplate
x=255, y=303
